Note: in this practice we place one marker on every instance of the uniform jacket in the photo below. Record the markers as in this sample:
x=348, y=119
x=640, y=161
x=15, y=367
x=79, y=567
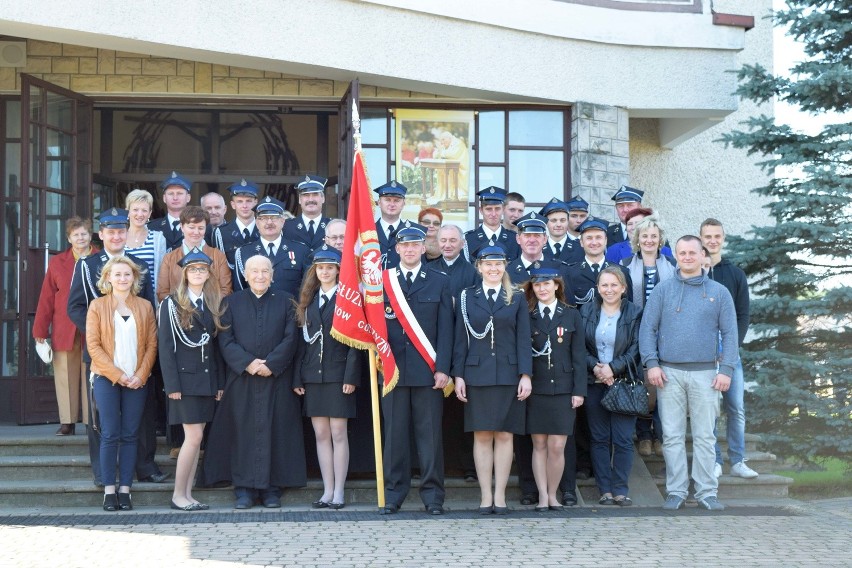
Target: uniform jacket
x=174, y=238
x=581, y=281
x=191, y=371
x=519, y=274
x=614, y=234
x=476, y=360
x=288, y=266
x=228, y=238
x=84, y=285
x=626, y=346
x=388, y=246
x=51, y=319
x=431, y=303
x=171, y=274
x=571, y=251
x=462, y=273
x=339, y=362
x=475, y=238
x=296, y=230
x=565, y=371
x=100, y=336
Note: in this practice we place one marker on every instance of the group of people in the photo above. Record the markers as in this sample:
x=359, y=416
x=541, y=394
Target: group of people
x=527, y=321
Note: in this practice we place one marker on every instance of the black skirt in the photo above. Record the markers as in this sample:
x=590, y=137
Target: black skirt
x=550, y=414
x=327, y=399
x=191, y=410
x=494, y=408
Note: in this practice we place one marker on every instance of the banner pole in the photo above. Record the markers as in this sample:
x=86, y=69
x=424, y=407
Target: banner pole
x=377, y=432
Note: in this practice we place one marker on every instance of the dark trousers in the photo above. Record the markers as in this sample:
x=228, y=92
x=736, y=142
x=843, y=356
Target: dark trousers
x=582, y=439
x=458, y=444
x=92, y=431
x=612, y=443
x=120, y=411
x=650, y=428
x=146, y=447
x=253, y=494
x=523, y=461
x=417, y=409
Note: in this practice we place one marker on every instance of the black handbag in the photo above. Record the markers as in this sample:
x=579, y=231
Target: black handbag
x=627, y=395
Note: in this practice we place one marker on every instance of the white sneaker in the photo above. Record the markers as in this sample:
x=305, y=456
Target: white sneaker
x=742, y=470
x=717, y=470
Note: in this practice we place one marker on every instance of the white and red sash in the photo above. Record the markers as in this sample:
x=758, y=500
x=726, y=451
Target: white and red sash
x=406, y=318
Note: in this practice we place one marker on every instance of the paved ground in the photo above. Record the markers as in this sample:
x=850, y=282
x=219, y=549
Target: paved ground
x=789, y=534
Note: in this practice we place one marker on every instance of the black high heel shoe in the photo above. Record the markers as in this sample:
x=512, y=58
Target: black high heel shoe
x=110, y=502
x=124, y=502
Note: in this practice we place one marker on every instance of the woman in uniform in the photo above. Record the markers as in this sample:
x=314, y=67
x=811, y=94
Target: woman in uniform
x=492, y=363
x=193, y=372
x=326, y=373
x=611, y=329
x=559, y=379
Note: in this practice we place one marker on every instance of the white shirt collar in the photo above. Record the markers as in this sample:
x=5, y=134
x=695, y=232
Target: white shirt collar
x=551, y=242
x=172, y=220
x=492, y=235
x=551, y=305
x=316, y=220
x=192, y=297
x=487, y=288
x=527, y=263
x=599, y=263
x=416, y=270
x=276, y=243
x=451, y=262
x=240, y=225
x=385, y=225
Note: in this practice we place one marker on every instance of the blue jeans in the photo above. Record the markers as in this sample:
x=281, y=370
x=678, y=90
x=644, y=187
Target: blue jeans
x=612, y=443
x=120, y=411
x=689, y=391
x=732, y=402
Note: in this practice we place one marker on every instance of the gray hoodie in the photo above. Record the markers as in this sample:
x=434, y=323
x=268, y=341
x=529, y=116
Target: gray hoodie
x=682, y=322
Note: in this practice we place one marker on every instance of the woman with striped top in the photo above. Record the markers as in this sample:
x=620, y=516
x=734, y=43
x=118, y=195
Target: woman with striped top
x=144, y=244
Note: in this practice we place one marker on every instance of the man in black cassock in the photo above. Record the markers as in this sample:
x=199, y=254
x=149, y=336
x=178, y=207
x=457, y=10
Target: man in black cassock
x=256, y=437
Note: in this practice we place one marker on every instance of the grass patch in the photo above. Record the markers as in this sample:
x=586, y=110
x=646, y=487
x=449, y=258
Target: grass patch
x=832, y=481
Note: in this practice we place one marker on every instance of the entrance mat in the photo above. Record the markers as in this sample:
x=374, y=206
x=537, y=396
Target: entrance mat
x=236, y=517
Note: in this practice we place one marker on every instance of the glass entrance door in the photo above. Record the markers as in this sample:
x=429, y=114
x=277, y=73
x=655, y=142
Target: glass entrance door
x=56, y=183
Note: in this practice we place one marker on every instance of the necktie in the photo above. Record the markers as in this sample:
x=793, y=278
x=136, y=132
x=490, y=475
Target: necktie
x=323, y=302
x=176, y=226
x=546, y=312
x=271, y=250
x=311, y=228
x=409, y=277
x=200, y=305
x=558, y=247
x=390, y=232
x=246, y=234
x=491, y=294
x=595, y=268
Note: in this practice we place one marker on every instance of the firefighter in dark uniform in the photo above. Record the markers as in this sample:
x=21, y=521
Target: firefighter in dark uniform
x=176, y=196
x=452, y=262
x=491, y=231
x=243, y=229
x=391, y=201
x=560, y=246
x=531, y=237
x=309, y=227
x=626, y=199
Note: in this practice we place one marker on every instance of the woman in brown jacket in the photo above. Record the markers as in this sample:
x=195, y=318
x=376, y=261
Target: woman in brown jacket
x=121, y=335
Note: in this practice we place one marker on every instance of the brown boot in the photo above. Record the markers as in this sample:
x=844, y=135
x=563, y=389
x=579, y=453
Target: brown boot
x=645, y=448
x=65, y=430
x=658, y=448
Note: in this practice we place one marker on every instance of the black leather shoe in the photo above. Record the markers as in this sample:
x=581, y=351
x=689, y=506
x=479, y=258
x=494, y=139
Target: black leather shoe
x=244, y=502
x=124, y=502
x=320, y=504
x=435, y=509
x=158, y=477
x=489, y=510
x=542, y=509
x=272, y=502
x=501, y=510
x=199, y=506
x=569, y=498
x=110, y=502
x=529, y=499
x=555, y=507
x=177, y=507
x=389, y=510
x=336, y=506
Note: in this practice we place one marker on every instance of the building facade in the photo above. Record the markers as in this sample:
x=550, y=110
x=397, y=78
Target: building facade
x=543, y=97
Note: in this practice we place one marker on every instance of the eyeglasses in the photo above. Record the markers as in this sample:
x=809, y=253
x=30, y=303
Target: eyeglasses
x=430, y=223
x=335, y=237
x=198, y=270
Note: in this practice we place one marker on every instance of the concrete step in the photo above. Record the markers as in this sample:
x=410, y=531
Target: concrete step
x=27, y=443
x=761, y=462
x=58, y=467
x=767, y=486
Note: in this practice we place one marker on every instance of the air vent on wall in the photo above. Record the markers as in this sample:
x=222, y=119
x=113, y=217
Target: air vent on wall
x=13, y=54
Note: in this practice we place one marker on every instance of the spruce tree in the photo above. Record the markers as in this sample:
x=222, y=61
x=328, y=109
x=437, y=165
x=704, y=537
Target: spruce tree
x=799, y=269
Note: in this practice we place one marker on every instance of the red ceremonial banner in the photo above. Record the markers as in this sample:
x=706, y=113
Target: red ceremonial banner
x=359, y=314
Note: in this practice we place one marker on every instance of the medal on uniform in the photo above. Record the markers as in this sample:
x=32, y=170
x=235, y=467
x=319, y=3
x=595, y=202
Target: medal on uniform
x=559, y=332
x=292, y=258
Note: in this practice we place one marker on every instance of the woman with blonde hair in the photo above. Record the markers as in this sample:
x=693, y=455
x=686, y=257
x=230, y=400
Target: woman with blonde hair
x=121, y=336
x=193, y=371
x=492, y=364
x=142, y=242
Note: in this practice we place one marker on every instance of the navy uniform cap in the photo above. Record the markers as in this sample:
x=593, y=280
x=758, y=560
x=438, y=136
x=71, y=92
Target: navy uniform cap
x=627, y=194
x=312, y=184
x=269, y=206
x=392, y=188
x=410, y=232
x=543, y=274
x=243, y=187
x=491, y=252
x=578, y=204
x=327, y=255
x=531, y=223
x=195, y=256
x=553, y=206
x=114, y=218
x=593, y=223
x=176, y=179
x=492, y=194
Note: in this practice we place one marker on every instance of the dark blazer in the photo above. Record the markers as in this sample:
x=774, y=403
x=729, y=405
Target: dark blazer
x=431, y=303
x=626, y=346
x=567, y=371
x=570, y=253
x=191, y=371
x=520, y=274
x=174, y=238
x=228, y=238
x=476, y=360
x=339, y=362
x=507, y=239
x=296, y=230
x=614, y=234
x=288, y=266
x=580, y=280
x=390, y=257
x=462, y=273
